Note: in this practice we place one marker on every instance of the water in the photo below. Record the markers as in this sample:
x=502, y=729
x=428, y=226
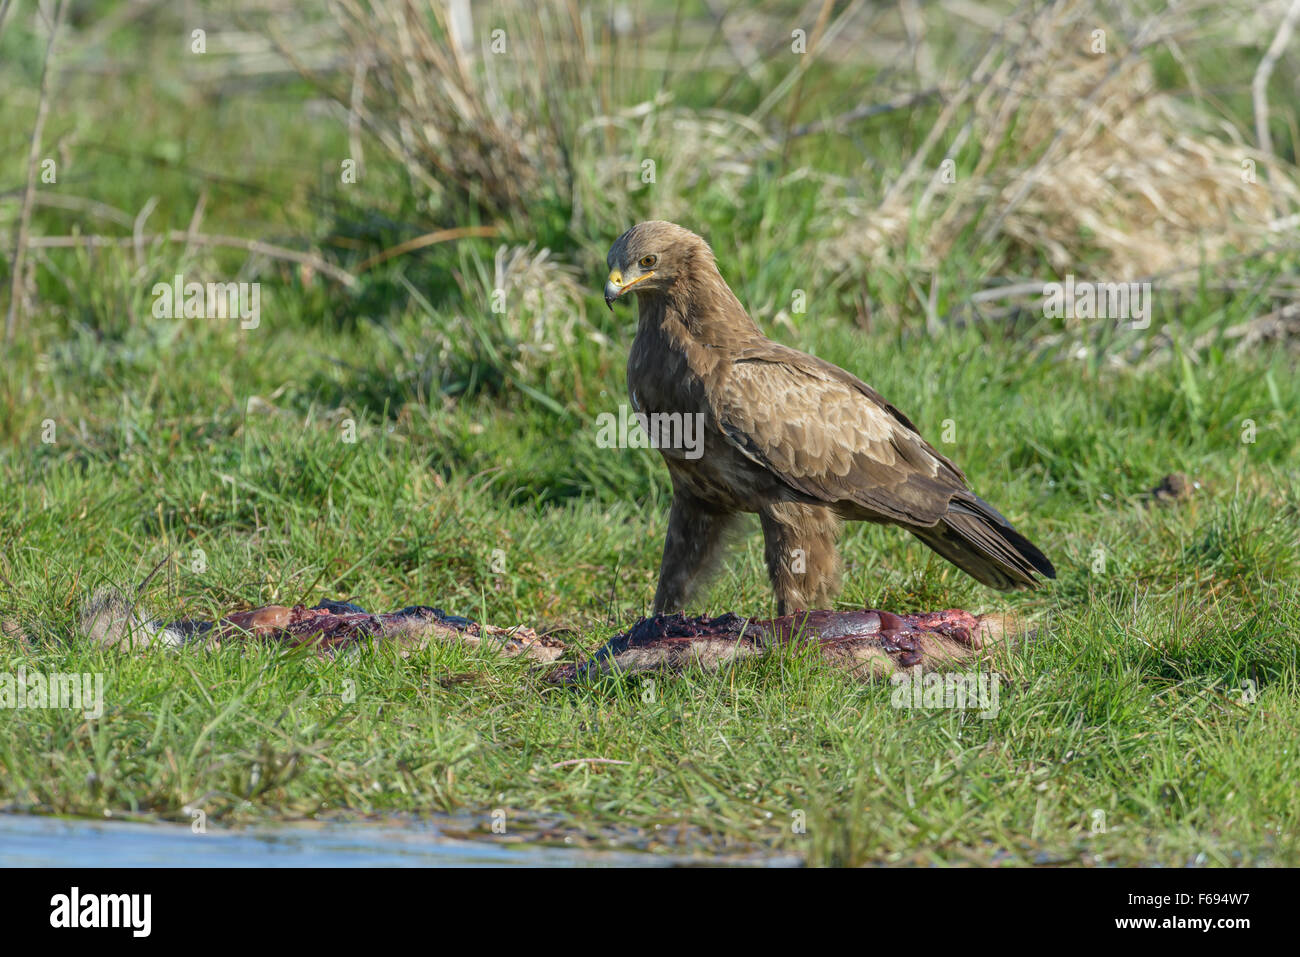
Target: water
x=30, y=841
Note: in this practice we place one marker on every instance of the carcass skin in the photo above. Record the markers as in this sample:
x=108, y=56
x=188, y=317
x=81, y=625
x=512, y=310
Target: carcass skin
x=334, y=626
x=869, y=644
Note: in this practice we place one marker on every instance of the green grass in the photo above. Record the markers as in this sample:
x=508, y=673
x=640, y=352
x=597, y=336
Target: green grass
x=1130, y=704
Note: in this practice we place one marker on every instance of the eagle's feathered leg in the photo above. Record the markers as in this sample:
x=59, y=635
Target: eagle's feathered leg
x=696, y=535
x=799, y=549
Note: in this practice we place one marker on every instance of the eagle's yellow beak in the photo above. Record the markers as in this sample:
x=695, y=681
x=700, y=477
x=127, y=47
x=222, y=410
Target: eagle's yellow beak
x=615, y=286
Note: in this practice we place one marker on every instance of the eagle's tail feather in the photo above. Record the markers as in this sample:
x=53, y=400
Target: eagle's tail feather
x=975, y=537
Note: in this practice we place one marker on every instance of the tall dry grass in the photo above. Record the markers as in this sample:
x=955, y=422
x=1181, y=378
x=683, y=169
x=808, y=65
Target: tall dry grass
x=1046, y=143
x=1060, y=146
x=524, y=112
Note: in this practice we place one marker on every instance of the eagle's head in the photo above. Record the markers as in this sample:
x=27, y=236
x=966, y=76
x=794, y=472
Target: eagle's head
x=650, y=257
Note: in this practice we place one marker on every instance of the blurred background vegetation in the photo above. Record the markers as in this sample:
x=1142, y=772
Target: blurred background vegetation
x=888, y=184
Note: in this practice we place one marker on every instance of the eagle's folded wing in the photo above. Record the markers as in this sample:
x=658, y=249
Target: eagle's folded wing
x=832, y=438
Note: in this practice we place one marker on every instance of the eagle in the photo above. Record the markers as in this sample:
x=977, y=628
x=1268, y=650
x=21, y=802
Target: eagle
x=797, y=440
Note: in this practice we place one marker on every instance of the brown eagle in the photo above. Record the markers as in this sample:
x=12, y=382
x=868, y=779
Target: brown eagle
x=801, y=442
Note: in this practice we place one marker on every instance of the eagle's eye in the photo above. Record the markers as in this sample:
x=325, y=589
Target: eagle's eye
x=647, y=261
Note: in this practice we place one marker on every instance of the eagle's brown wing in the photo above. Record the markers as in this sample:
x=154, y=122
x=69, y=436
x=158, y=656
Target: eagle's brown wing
x=834, y=440
x=831, y=437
